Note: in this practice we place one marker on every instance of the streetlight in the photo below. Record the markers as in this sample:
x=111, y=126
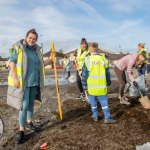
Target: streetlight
x=41, y=43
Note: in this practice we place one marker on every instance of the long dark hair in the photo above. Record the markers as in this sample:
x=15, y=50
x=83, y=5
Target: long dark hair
x=84, y=41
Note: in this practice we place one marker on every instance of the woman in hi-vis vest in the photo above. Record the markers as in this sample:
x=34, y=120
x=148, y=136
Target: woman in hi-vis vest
x=142, y=50
x=26, y=80
x=81, y=54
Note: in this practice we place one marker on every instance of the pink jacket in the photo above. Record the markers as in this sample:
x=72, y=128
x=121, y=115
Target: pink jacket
x=126, y=64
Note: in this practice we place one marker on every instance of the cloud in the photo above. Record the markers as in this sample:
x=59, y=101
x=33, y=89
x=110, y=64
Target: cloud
x=15, y=22
x=53, y=22
x=8, y=2
x=124, y=5
x=66, y=22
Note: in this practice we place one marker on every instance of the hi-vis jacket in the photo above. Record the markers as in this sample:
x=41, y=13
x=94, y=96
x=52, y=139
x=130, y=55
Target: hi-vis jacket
x=143, y=51
x=21, y=66
x=80, y=58
x=96, y=75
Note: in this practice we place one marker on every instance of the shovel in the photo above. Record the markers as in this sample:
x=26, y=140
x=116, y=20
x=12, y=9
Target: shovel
x=144, y=100
x=86, y=97
x=86, y=94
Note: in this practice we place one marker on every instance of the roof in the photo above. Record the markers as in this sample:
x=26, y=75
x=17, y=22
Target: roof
x=58, y=54
x=109, y=55
x=3, y=59
x=73, y=51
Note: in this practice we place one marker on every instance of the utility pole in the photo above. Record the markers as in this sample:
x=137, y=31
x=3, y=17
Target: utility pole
x=120, y=48
x=41, y=43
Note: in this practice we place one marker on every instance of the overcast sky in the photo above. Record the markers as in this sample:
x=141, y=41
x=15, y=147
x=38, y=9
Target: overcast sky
x=115, y=24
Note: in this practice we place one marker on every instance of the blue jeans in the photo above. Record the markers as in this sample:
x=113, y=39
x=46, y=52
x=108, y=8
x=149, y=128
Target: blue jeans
x=26, y=112
x=142, y=70
x=104, y=104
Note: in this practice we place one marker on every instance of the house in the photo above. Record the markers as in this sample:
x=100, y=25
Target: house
x=71, y=54
x=109, y=55
x=3, y=63
x=59, y=57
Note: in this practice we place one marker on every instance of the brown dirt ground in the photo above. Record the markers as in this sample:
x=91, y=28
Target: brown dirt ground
x=82, y=133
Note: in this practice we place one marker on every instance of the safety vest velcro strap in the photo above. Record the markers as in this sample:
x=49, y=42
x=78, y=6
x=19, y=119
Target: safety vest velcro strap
x=98, y=77
x=106, y=107
x=97, y=87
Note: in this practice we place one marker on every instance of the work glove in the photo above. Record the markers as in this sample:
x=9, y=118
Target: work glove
x=135, y=84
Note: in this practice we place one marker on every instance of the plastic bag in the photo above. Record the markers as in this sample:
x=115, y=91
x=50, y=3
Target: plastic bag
x=133, y=91
x=72, y=79
x=145, y=146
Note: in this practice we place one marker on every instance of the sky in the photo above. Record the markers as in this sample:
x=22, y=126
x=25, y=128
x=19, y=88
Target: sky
x=117, y=25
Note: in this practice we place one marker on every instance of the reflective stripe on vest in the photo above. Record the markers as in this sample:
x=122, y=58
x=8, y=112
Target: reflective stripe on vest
x=65, y=63
x=96, y=81
x=81, y=58
x=18, y=66
x=97, y=86
x=97, y=77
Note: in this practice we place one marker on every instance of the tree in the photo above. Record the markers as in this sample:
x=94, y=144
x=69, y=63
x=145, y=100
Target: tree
x=60, y=51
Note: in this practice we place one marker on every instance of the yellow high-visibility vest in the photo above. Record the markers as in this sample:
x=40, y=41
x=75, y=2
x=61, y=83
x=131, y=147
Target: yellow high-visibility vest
x=96, y=82
x=81, y=58
x=144, y=51
x=107, y=62
x=65, y=62
x=19, y=66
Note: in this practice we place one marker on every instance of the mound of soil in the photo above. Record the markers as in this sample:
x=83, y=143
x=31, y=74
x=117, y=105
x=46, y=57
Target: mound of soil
x=81, y=133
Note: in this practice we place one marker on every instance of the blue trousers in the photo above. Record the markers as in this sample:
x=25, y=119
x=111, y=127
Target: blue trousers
x=28, y=105
x=104, y=104
x=142, y=70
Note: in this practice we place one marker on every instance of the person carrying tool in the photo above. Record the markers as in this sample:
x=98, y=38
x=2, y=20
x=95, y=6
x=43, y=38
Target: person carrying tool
x=26, y=80
x=95, y=79
x=142, y=50
x=82, y=52
x=127, y=63
x=67, y=66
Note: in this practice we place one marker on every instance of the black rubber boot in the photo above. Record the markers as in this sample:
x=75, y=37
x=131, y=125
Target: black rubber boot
x=20, y=137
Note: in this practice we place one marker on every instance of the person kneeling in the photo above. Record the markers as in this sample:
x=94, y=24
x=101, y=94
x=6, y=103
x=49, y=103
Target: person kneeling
x=95, y=78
